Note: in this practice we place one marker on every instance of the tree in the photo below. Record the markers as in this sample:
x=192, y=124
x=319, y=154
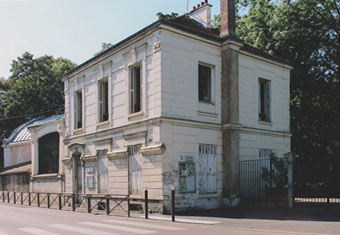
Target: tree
x=105, y=46
x=34, y=89
x=172, y=15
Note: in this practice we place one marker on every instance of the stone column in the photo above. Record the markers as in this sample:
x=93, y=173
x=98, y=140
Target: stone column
x=230, y=119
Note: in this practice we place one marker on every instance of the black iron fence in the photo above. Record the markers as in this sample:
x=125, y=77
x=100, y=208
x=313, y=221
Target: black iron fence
x=264, y=178
x=119, y=204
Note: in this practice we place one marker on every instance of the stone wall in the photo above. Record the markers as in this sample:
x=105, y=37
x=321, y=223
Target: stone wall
x=15, y=182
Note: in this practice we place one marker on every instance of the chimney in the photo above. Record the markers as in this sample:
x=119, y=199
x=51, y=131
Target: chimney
x=202, y=13
x=228, y=18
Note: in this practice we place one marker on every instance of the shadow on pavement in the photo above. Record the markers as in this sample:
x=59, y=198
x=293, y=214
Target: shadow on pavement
x=270, y=214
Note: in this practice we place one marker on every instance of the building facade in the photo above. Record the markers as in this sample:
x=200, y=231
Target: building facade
x=176, y=105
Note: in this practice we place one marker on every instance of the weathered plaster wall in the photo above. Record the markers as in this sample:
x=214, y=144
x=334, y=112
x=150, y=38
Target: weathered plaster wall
x=17, y=153
x=15, y=182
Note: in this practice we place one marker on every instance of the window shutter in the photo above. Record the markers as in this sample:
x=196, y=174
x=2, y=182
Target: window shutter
x=75, y=106
x=267, y=100
x=131, y=90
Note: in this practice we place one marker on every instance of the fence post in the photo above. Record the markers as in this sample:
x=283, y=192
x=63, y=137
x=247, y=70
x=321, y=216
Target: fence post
x=38, y=199
x=3, y=197
x=29, y=199
x=14, y=198
x=128, y=201
x=59, y=202
x=89, y=203
x=48, y=201
x=22, y=198
x=107, y=206
x=73, y=202
x=173, y=204
x=290, y=157
x=146, y=202
x=8, y=199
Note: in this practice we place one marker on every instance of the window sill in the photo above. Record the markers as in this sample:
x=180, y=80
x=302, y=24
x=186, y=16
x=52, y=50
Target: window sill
x=206, y=114
x=136, y=115
x=103, y=124
x=206, y=102
x=44, y=176
x=269, y=123
x=78, y=131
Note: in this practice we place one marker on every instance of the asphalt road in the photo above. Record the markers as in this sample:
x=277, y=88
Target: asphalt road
x=41, y=221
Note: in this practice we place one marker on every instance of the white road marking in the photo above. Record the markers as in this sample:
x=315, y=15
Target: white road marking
x=36, y=231
x=126, y=229
x=146, y=225
x=80, y=230
x=191, y=221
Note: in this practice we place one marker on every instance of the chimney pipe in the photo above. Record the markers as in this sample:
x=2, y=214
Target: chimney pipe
x=228, y=18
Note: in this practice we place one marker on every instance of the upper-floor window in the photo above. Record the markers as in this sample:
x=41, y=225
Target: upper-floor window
x=135, y=88
x=103, y=87
x=78, y=109
x=264, y=100
x=204, y=83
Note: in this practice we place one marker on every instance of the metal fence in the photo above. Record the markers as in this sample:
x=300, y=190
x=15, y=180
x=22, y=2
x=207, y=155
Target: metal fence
x=264, y=178
x=109, y=204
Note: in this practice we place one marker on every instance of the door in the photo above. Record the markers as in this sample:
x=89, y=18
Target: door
x=135, y=170
x=102, y=172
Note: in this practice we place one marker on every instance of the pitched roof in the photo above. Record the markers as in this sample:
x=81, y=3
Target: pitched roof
x=24, y=167
x=21, y=133
x=189, y=25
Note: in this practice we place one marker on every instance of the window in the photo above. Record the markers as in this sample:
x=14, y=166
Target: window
x=264, y=154
x=264, y=100
x=49, y=153
x=204, y=83
x=135, y=89
x=103, y=87
x=78, y=110
x=207, y=175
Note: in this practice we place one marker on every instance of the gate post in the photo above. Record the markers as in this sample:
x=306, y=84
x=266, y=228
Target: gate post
x=59, y=202
x=14, y=198
x=146, y=202
x=173, y=209
x=38, y=199
x=48, y=201
x=89, y=203
x=107, y=206
x=8, y=198
x=290, y=157
x=73, y=202
x=22, y=198
x=3, y=197
x=29, y=199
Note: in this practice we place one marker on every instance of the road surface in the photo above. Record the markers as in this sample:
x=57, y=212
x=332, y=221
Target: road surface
x=41, y=221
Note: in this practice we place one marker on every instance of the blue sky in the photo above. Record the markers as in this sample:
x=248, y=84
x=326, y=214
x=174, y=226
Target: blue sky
x=75, y=29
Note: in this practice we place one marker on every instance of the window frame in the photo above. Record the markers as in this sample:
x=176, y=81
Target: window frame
x=268, y=106
x=132, y=86
x=212, y=83
x=104, y=102
x=78, y=106
x=42, y=146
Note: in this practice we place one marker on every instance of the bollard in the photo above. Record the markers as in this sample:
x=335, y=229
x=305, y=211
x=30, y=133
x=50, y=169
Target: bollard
x=173, y=205
x=73, y=202
x=59, y=202
x=38, y=199
x=48, y=201
x=146, y=201
x=128, y=209
x=88, y=203
x=22, y=198
x=107, y=207
x=29, y=199
x=14, y=198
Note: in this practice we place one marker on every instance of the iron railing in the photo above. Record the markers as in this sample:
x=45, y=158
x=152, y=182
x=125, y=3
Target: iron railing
x=263, y=178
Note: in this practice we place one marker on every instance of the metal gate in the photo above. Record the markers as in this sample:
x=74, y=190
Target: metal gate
x=135, y=170
x=317, y=182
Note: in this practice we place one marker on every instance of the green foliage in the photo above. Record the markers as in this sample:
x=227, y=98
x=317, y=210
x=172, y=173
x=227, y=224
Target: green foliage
x=34, y=86
x=105, y=46
x=173, y=15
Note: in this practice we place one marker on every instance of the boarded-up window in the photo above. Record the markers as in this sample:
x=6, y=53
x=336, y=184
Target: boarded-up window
x=207, y=174
x=264, y=100
x=135, y=89
x=49, y=153
x=78, y=109
x=135, y=170
x=103, y=87
x=204, y=83
x=187, y=181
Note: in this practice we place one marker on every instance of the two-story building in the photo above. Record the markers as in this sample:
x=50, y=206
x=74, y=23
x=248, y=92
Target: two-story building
x=175, y=105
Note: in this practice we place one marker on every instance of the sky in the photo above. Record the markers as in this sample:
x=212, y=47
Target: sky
x=75, y=29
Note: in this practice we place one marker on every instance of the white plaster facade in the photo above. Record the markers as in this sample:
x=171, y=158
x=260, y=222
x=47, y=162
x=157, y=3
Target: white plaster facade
x=172, y=125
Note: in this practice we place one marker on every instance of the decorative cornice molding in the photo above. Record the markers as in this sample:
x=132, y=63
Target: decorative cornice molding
x=117, y=154
x=153, y=150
